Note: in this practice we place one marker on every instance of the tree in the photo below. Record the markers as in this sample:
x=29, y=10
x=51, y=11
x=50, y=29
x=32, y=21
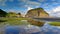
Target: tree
x=3, y=13
x=11, y=14
x=19, y=13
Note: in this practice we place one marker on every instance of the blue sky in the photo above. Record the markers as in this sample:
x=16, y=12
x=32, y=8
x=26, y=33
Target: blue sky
x=50, y=6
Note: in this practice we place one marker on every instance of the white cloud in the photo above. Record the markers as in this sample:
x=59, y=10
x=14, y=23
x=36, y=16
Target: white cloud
x=55, y=12
x=33, y=3
x=12, y=10
x=57, y=9
x=30, y=3
x=29, y=8
x=55, y=3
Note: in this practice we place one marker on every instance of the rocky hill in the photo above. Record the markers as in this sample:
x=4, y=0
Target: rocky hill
x=35, y=13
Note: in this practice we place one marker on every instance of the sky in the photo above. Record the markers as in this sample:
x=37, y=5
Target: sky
x=50, y=6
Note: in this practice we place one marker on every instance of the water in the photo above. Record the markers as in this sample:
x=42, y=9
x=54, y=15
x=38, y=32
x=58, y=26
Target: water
x=31, y=29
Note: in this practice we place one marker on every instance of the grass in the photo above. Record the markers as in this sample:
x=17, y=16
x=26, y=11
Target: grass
x=55, y=23
x=13, y=21
x=17, y=21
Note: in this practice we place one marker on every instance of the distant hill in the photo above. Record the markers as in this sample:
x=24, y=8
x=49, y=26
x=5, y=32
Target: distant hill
x=38, y=12
x=2, y=13
x=13, y=14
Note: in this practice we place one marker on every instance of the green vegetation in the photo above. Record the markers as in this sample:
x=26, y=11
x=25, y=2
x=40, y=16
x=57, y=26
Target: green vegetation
x=55, y=23
x=3, y=13
x=13, y=21
x=13, y=18
x=9, y=14
x=20, y=21
x=13, y=14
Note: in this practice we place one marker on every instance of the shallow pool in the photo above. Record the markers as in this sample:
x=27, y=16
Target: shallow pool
x=30, y=29
x=46, y=29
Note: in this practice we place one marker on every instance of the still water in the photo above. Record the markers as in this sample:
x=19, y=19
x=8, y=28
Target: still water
x=31, y=29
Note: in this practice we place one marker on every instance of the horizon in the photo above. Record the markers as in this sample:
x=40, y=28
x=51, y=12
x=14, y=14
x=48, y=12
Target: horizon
x=50, y=6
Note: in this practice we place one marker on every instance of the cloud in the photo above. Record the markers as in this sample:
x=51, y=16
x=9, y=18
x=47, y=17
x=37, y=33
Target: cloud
x=12, y=10
x=45, y=4
x=29, y=8
x=33, y=3
x=55, y=3
x=55, y=11
x=3, y=2
x=42, y=0
x=30, y=3
x=11, y=0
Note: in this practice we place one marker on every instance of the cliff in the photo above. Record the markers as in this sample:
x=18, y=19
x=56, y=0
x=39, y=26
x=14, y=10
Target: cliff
x=37, y=13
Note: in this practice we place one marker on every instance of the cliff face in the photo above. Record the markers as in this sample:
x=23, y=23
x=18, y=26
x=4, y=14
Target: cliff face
x=37, y=13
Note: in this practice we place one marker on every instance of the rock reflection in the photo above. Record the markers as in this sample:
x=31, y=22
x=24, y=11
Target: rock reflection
x=36, y=23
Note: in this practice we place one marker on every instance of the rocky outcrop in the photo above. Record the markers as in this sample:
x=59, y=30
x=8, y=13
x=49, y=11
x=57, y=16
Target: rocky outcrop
x=35, y=13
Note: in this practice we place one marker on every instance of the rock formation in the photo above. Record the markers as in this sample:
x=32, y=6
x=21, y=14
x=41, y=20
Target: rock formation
x=36, y=13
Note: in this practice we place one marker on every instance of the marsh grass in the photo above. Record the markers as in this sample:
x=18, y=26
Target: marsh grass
x=13, y=21
x=55, y=23
x=18, y=21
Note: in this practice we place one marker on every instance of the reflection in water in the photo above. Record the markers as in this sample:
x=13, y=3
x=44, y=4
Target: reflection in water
x=36, y=23
x=32, y=29
x=46, y=29
x=21, y=29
